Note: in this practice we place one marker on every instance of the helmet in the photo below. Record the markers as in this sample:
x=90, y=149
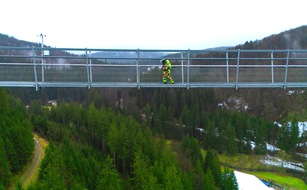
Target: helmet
x=163, y=61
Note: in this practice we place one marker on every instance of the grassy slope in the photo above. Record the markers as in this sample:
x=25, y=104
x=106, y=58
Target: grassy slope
x=252, y=161
x=288, y=182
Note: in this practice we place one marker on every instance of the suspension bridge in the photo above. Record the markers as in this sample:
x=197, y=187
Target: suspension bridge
x=98, y=68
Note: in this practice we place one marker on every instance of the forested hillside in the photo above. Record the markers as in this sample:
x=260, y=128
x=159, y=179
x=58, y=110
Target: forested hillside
x=96, y=148
x=92, y=146
x=16, y=139
x=6, y=40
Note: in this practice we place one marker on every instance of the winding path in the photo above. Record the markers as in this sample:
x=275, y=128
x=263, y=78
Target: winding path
x=39, y=153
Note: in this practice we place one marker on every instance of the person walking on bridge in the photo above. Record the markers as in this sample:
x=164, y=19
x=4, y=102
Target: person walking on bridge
x=166, y=66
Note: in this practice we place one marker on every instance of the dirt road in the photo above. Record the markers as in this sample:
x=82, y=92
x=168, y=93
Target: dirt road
x=31, y=173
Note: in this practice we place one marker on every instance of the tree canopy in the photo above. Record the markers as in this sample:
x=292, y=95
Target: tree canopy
x=16, y=138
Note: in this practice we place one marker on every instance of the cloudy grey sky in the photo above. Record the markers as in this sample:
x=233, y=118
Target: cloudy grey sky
x=149, y=24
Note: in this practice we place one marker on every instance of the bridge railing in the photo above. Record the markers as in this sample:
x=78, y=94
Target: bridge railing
x=228, y=68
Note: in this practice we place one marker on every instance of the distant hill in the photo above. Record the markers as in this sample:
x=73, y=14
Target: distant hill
x=146, y=54
x=110, y=56
x=113, y=54
x=290, y=39
x=6, y=40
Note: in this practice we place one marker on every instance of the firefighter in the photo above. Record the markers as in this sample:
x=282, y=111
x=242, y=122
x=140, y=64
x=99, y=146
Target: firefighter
x=166, y=66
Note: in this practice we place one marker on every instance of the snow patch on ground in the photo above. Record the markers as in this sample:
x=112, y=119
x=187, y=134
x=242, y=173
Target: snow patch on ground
x=234, y=103
x=292, y=92
x=274, y=161
x=269, y=147
x=302, y=126
x=249, y=182
x=278, y=124
x=303, y=155
x=272, y=148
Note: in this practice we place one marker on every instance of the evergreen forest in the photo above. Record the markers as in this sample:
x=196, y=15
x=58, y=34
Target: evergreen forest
x=16, y=138
x=95, y=146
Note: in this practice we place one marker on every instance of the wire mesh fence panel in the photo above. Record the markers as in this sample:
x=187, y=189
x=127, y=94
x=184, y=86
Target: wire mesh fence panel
x=151, y=74
x=114, y=73
x=62, y=73
x=279, y=74
x=255, y=75
x=207, y=74
x=297, y=74
x=16, y=72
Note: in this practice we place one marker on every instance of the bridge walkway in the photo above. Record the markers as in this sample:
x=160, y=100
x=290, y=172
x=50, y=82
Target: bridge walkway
x=136, y=68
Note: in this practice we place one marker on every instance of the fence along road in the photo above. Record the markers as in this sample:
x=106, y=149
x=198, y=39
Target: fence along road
x=92, y=68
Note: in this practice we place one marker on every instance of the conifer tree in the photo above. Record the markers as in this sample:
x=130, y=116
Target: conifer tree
x=5, y=172
x=109, y=178
x=211, y=164
x=209, y=182
x=229, y=180
x=231, y=142
x=294, y=135
x=288, y=136
x=172, y=179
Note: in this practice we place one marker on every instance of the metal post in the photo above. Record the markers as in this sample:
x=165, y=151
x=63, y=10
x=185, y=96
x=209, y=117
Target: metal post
x=34, y=67
x=87, y=69
x=272, y=65
x=182, y=74
x=138, y=68
x=188, y=70
x=238, y=64
x=91, y=69
x=42, y=54
x=286, y=69
x=227, y=67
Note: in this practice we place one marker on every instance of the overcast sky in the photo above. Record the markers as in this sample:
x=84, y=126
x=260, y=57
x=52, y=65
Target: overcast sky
x=149, y=24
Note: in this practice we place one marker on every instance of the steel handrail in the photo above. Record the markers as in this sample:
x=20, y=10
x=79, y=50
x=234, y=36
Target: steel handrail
x=190, y=62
